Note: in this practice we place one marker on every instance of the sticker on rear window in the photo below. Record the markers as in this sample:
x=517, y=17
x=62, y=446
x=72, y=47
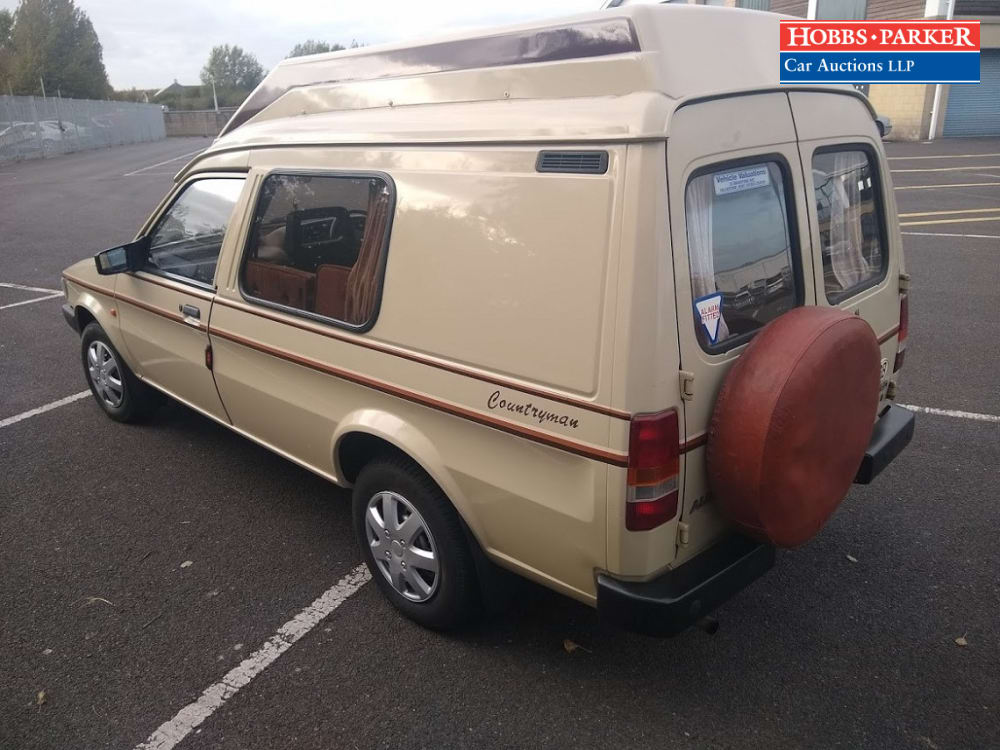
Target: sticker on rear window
x=709, y=311
x=742, y=179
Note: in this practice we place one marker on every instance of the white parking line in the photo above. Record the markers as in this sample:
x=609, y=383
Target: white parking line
x=24, y=288
x=966, y=220
x=954, y=413
x=42, y=409
x=31, y=301
x=161, y=163
x=942, y=156
x=952, y=185
x=947, y=234
x=948, y=169
x=170, y=733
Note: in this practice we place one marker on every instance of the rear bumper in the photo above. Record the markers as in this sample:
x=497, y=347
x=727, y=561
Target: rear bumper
x=70, y=317
x=893, y=432
x=677, y=599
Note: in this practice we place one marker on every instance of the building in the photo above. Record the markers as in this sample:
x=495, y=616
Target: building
x=963, y=110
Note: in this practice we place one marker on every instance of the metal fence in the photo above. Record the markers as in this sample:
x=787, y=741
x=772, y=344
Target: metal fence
x=33, y=127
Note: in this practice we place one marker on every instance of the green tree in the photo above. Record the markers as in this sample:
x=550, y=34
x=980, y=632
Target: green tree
x=231, y=67
x=6, y=27
x=312, y=47
x=54, y=41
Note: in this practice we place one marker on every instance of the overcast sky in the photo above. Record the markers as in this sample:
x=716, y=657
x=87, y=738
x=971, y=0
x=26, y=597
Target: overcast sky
x=149, y=43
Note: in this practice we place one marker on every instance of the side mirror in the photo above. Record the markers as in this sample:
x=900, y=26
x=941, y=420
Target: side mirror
x=129, y=257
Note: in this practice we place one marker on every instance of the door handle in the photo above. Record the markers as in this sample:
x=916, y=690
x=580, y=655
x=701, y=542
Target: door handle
x=190, y=313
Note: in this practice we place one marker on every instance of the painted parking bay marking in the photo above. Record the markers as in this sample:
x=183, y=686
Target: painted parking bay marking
x=172, y=732
x=968, y=220
x=49, y=294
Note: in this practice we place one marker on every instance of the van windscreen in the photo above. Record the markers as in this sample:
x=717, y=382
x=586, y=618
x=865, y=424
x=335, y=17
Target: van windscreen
x=739, y=244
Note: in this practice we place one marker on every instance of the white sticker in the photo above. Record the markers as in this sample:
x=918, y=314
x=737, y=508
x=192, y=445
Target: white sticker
x=742, y=179
x=709, y=309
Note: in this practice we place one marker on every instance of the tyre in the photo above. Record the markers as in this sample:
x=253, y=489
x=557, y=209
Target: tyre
x=117, y=390
x=414, y=544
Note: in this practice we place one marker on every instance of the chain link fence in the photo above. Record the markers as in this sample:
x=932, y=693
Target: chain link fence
x=32, y=127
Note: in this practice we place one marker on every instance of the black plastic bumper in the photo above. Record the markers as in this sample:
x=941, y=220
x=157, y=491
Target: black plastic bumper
x=893, y=432
x=679, y=598
x=70, y=317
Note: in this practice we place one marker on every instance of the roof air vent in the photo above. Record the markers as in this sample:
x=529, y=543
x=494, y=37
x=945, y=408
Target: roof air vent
x=574, y=162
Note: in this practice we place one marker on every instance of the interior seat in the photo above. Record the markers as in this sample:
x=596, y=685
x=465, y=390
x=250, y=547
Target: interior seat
x=281, y=284
x=331, y=290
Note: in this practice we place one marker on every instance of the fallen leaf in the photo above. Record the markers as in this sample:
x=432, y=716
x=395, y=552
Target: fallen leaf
x=187, y=563
x=92, y=599
x=40, y=698
x=961, y=641
x=852, y=558
x=572, y=646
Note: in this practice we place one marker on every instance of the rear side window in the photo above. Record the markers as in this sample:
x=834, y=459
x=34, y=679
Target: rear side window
x=188, y=238
x=850, y=222
x=317, y=246
x=740, y=239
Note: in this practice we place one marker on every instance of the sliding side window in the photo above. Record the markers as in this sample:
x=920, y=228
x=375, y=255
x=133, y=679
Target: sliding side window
x=317, y=246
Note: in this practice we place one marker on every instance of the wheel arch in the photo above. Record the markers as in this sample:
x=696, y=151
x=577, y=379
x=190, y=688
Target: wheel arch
x=367, y=433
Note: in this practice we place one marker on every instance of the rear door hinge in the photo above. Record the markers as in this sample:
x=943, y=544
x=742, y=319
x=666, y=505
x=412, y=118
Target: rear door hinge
x=683, y=534
x=687, y=385
x=904, y=282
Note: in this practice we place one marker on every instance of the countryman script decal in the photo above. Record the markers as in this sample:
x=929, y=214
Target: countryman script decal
x=496, y=401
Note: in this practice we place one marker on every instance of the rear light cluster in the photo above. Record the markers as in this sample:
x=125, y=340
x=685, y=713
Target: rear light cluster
x=904, y=330
x=653, y=461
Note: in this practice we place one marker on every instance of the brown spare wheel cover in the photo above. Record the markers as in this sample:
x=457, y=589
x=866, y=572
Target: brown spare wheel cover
x=792, y=423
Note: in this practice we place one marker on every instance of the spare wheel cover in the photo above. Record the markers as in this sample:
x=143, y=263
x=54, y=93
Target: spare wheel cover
x=792, y=422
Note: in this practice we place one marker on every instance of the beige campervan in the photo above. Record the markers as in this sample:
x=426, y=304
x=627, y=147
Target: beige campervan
x=595, y=300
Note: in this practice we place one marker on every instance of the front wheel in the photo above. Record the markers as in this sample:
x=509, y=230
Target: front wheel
x=117, y=390
x=414, y=544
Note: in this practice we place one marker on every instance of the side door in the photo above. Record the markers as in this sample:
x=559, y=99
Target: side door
x=739, y=231
x=164, y=309
x=287, y=328
x=857, y=247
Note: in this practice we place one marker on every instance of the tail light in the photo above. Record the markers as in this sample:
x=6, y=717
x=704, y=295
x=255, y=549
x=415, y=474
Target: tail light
x=653, y=461
x=904, y=330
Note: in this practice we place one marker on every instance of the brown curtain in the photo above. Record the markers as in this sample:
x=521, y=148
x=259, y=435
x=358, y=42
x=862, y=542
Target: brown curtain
x=362, y=284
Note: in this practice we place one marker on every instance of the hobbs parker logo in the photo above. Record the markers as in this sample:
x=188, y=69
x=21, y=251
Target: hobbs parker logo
x=879, y=52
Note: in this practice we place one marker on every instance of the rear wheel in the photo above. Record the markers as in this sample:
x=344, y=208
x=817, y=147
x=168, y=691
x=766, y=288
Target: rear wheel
x=116, y=389
x=414, y=544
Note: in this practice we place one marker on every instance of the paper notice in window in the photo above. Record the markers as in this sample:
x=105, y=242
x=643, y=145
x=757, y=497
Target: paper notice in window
x=742, y=179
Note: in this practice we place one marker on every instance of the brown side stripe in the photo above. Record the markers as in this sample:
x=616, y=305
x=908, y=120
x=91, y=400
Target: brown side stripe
x=91, y=287
x=175, y=317
x=333, y=334
x=609, y=457
x=888, y=334
x=696, y=442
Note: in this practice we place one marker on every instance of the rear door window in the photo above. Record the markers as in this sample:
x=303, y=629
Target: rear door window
x=740, y=234
x=850, y=219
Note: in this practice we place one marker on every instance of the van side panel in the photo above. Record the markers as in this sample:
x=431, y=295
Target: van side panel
x=646, y=357
x=485, y=256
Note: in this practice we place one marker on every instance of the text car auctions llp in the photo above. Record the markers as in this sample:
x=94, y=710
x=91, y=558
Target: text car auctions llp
x=879, y=52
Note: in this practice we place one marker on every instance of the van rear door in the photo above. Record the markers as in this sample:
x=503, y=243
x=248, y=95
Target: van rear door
x=855, y=235
x=742, y=257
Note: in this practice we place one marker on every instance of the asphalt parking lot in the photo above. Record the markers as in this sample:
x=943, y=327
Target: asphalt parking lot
x=141, y=565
